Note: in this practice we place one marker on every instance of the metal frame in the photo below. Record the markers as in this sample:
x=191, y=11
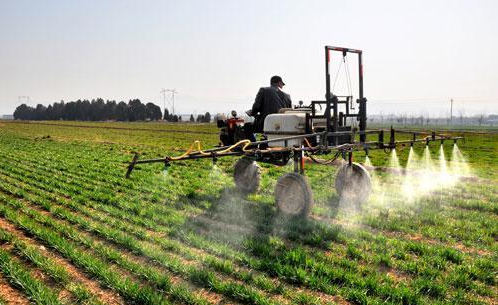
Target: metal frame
x=333, y=122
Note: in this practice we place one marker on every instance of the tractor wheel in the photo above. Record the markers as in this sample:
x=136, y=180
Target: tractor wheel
x=352, y=184
x=247, y=175
x=293, y=195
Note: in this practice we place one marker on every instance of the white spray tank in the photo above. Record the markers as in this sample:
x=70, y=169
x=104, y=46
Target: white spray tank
x=288, y=122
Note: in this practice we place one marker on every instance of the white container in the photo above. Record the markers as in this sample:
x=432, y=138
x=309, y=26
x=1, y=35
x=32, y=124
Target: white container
x=279, y=125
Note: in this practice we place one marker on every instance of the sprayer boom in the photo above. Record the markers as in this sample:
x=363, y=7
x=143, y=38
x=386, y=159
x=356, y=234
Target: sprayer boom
x=261, y=152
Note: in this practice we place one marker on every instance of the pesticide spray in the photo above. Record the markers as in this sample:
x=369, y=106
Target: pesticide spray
x=411, y=181
x=394, y=162
x=458, y=164
x=421, y=176
x=445, y=179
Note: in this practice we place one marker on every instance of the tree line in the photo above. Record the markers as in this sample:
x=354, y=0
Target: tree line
x=100, y=110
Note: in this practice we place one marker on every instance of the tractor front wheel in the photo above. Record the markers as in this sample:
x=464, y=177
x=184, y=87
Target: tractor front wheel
x=293, y=195
x=352, y=184
x=247, y=175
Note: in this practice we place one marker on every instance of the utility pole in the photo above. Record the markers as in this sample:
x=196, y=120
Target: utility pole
x=451, y=111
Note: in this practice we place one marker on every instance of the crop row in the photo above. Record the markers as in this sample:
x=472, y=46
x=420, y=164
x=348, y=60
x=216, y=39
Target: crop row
x=50, y=267
x=166, y=244
x=446, y=254
x=351, y=249
x=394, y=223
x=200, y=276
x=368, y=220
x=20, y=277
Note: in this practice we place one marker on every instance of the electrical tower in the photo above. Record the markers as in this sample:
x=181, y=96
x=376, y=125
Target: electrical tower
x=173, y=92
x=24, y=98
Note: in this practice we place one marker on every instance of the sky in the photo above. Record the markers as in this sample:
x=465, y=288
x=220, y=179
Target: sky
x=417, y=54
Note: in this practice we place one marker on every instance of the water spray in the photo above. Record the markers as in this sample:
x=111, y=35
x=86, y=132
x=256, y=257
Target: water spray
x=458, y=164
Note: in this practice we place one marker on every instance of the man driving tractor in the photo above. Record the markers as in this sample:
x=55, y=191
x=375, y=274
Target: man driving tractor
x=269, y=100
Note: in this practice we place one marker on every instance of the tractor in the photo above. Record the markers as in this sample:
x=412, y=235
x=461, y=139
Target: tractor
x=326, y=127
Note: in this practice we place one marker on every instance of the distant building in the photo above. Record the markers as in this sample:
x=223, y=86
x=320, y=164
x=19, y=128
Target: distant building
x=7, y=117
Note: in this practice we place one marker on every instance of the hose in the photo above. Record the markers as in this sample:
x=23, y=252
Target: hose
x=200, y=151
x=246, y=142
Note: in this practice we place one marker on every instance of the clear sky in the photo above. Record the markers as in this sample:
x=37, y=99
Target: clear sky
x=417, y=54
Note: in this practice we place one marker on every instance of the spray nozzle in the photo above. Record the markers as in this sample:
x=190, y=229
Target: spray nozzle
x=411, y=144
x=442, y=141
x=455, y=141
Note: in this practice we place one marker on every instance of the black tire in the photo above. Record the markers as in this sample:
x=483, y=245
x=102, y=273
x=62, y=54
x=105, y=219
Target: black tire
x=247, y=175
x=293, y=195
x=353, y=184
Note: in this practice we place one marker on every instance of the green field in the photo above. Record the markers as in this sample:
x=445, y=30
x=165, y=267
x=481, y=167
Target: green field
x=74, y=230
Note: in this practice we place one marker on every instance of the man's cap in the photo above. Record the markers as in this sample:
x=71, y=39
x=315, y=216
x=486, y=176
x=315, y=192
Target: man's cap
x=275, y=79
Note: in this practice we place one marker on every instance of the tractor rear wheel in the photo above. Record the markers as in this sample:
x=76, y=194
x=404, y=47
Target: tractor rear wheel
x=293, y=195
x=352, y=184
x=247, y=175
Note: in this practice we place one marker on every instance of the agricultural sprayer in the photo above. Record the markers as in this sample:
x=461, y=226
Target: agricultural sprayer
x=303, y=133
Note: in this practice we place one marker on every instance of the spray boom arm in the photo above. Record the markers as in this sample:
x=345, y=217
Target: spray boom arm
x=280, y=155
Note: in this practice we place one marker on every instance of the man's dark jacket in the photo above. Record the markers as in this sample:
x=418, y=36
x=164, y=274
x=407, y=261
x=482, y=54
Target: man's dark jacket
x=268, y=100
